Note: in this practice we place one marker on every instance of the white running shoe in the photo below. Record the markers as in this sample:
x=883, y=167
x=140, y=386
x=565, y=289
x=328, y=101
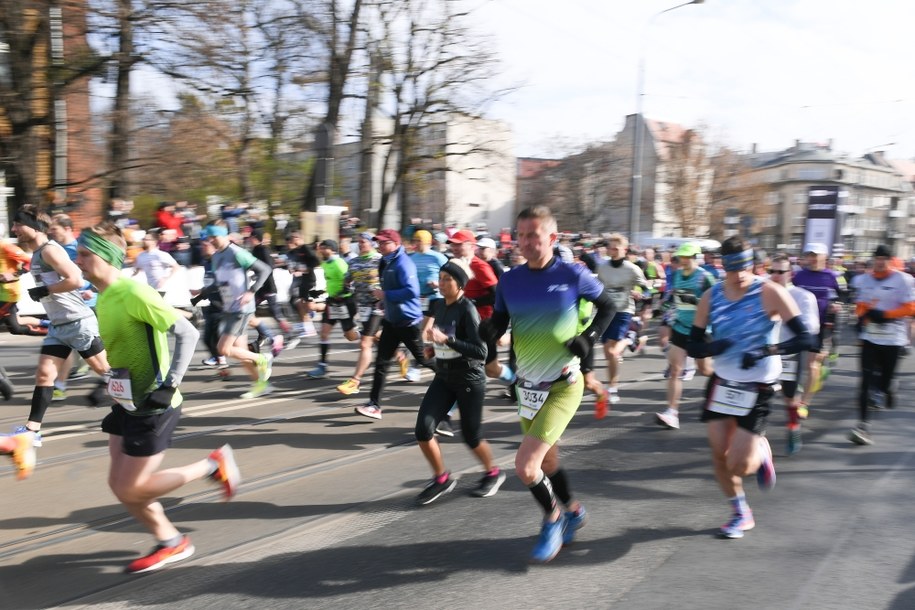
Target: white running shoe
x=670, y=418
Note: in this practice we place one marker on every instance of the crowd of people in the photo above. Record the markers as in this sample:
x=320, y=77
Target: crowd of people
x=446, y=300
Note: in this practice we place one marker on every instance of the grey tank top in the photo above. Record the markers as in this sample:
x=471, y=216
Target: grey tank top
x=62, y=307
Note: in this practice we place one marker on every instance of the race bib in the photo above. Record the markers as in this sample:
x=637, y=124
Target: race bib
x=424, y=303
x=681, y=296
x=789, y=368
x=120, y=389
x=444, y=352
x=876, y=330
x=338, y=312
x=364, y=313
x=531, y=397
x=733, y=398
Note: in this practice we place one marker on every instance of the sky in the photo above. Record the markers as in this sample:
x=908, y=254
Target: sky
x=764, y=72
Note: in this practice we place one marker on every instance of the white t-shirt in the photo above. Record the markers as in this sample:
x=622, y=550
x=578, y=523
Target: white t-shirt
x=155, y=265
x=892, y=292
x=810, y=313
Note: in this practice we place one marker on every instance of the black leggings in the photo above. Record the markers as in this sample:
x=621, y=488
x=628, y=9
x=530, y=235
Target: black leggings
x=391, y=337
x=468, y=388
x=876, y=359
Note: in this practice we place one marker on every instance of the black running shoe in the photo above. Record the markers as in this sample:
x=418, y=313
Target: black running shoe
x=489, y=485
x=434, y=490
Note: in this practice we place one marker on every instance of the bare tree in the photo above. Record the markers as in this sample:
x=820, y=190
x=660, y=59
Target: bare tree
x=436, y=71
x=686, y=173
x=735, y=188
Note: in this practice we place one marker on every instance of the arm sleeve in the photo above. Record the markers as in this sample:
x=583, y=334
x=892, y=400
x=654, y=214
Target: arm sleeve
x=261, y=274
x=185, y=343
x=603, y=314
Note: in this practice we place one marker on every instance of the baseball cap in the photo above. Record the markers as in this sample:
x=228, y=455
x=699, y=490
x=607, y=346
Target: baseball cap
x=462, y=237
x=486, y=242
x=883, y=250
x=816, y=248
x=367, y=236
x=689, y=250
x=388, y=235
x=329, y=243
x=423, y=236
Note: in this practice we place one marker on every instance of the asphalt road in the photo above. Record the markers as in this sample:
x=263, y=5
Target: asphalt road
x=325, y=518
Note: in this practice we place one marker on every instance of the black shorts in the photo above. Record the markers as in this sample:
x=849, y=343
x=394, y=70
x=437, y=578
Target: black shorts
x=346, y=324
x=679, y=339
x=758, y=417
x=820, y=339
x=142, y=435
x=371, y=326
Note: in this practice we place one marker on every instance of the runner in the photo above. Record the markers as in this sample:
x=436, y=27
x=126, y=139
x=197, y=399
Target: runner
x=362, y=279
x=428, y=262
x=157, y=266
x=339, y=305
x=780, y=273
x=73, y=323
x=742, y=311
x=260, y=248
x=13, y=264
x=885, y=299
x=621, y=278
x=402, y=315
x=452, y=327
x=231, y=265
x=134, y=320
x=301, y=262
x=540, y=299
x=824, y=286
x=687, y=285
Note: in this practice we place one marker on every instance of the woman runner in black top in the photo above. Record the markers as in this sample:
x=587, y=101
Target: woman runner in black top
x=453, y=330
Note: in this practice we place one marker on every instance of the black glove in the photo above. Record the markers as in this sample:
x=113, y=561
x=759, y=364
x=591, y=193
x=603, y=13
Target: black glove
x=688, y=299
x=876, y=315
x=196, y=299
x=579, y=346
x=753, y=356
x=160, y=398
x=39, y=292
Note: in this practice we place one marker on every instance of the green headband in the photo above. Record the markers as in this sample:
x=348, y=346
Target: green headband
x=101, y=247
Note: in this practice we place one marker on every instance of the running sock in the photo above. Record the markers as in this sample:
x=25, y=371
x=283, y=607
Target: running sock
x=324, y=347
x=213, y=466
x=739, y=504
x=793, y=418
x=264, y=331
x=441, y=478
x=561, y=486
x=172, y=542
x=543, y=493
x=41, y=400
x=494, y=472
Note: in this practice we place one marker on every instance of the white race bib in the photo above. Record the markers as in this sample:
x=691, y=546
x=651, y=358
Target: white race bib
x=424, y=303
x=733, y=398
x=445, y=353
x=880, y=330
x=338, y=312
x=789, y=368
x=364, y=313
x=531, y=397
x=120, y=389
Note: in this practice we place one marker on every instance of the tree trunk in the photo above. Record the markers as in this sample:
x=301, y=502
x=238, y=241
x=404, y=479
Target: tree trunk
x=120, y=120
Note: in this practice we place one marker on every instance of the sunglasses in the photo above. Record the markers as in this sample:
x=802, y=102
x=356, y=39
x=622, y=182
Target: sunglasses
x=778, y=271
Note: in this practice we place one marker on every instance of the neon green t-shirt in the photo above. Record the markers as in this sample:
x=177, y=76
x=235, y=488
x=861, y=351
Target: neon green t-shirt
x=133, y=323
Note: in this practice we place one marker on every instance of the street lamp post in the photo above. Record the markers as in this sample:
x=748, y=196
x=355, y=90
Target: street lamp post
x=638, y=125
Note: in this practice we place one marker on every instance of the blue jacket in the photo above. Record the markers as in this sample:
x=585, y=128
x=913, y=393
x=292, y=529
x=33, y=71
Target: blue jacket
x=401, y=289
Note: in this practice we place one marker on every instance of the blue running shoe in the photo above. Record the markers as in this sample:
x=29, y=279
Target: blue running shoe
x=550, y=541
x=765, y=476
x=574, y=522
x=36, y=441
x=738, y=524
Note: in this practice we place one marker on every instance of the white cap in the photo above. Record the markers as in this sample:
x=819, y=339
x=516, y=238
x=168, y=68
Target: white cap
x=816, y=248
x=486, y=242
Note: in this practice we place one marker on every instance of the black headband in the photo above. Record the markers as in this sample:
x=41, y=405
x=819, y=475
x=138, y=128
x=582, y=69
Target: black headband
x=30, y=220
x=455, y=271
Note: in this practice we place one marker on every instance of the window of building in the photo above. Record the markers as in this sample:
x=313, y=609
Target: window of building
x=812, y=174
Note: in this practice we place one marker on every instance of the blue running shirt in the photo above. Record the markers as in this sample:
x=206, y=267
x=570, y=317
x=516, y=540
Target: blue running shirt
x=544, y=312
x=746, y=323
